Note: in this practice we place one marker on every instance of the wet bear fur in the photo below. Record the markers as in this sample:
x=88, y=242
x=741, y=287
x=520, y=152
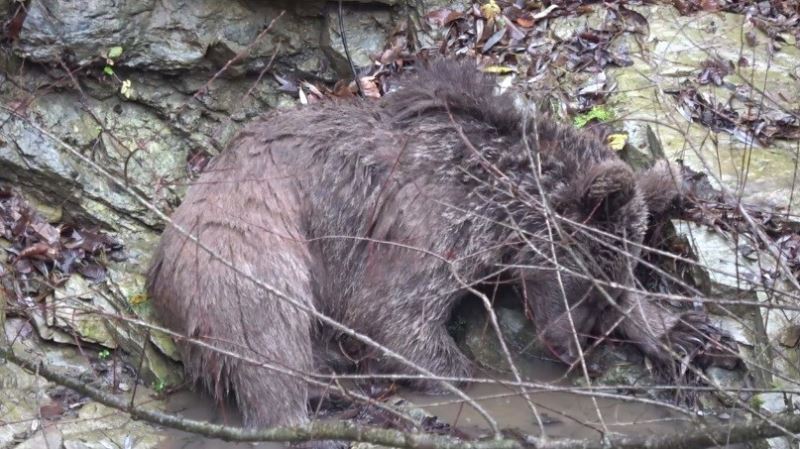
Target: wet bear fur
x=377, y=213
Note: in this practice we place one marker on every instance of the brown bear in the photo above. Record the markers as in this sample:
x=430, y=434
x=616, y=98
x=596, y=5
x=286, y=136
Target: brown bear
x=379, y=214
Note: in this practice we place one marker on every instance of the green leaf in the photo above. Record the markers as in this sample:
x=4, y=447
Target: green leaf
x=108, y=70
x=114, y=52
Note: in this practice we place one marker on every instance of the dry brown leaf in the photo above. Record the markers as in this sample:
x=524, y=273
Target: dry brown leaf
x=39, y=250
x=525, y=21
x=443, y=17
x=369, y=86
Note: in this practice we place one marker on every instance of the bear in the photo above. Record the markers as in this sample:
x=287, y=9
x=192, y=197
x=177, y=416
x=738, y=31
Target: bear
x=381, y=215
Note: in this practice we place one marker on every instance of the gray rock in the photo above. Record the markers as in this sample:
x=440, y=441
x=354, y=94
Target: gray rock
x=721, y=271
x=477, y=336
x=17, y=409
x=5, y=7
x=141, y=146
x=366, y=29
x=78, y=309
x=643, y=147
x=729, y=383
x=46, y=438
x=161, y=36
x=99, y=427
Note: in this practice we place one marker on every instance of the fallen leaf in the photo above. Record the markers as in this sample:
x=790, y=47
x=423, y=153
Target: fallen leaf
x=138, y=298
x=617, y=141
x=23, y=266
x=114, y=52
x=38, y=249
x=92, y=272
x=443, y=17
x=126, y=89
x=750, y=38
x=47, y=232
x=490, y=10
x=342, y=89
x=302, y=95
x=14, y=25
x=498, y=69
x=525, y=22
x=51, y=411
x=545, y=12
x=286, y=84
x=370, y=87
x=496, y=37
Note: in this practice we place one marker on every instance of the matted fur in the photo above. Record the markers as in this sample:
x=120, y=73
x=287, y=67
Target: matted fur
x=443, y=165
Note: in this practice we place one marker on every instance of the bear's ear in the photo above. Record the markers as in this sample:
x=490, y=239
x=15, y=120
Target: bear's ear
x=662, y=186
x=606, y=188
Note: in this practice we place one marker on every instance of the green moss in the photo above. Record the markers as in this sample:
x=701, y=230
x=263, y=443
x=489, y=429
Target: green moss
x=599, y=113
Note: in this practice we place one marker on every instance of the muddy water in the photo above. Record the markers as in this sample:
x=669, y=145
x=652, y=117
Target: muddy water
x=564, y=414
x=200, y=407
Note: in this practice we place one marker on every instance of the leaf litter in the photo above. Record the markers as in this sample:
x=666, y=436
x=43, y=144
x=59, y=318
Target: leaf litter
x=40, y=251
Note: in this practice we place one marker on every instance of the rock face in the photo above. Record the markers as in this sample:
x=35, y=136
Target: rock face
x=105, y=103
x=162, y=36
x=138, y=100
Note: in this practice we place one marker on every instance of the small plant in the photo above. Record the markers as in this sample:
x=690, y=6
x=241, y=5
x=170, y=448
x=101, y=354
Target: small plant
x=104, y=354
x=159, y=386
x=112, y=54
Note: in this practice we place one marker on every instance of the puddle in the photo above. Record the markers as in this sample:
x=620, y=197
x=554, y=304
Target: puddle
x=200, y=407
x=564, y=414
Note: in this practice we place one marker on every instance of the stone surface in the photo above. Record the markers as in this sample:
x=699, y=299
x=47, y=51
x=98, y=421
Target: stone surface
x=27, y=397
x=474, y=332
x=723, y=272
x=366, y=29
x=162, y=36
x=99, y=427
x=642, y=148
